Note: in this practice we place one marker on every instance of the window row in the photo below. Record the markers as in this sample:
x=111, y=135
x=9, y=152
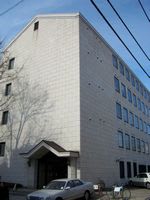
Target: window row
x=133, y=120
x=131, y=78
x=132, y=169
x=126, y=93
x=131, y=143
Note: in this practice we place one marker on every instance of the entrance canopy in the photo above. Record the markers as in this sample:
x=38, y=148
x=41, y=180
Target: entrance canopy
x=44, y=147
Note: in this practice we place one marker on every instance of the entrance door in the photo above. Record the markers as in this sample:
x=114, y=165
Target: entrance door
x=51, y=167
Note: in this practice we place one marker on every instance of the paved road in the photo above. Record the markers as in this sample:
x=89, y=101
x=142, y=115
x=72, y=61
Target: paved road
x=136, y=194
x=14, y=197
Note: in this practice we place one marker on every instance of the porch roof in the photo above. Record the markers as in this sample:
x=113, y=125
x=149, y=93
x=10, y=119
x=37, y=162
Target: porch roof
x=44, y=147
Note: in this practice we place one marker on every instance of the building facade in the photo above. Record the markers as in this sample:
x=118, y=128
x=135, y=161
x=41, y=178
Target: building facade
x=98, y=126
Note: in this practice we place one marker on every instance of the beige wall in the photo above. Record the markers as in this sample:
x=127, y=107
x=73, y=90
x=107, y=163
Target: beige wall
x=99, y=125
x=50, y=57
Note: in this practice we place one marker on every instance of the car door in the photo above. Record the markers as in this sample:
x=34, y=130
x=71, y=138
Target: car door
x=69, y=192
x=79, y=188
x=142, y=179
x=136, y=180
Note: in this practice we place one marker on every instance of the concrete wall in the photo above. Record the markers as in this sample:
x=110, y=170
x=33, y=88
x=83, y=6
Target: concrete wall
x=99, y=124
x=50, y=56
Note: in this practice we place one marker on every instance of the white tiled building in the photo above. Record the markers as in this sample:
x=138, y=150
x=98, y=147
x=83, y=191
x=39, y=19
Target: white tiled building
x=99, y=126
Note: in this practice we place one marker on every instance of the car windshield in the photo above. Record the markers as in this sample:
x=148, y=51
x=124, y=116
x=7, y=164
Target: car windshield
x=56, y=185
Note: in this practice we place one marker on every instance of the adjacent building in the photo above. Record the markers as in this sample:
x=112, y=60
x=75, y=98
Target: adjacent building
x=99, y=124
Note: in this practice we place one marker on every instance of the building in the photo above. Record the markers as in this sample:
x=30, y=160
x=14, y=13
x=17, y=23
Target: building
x=99, y=126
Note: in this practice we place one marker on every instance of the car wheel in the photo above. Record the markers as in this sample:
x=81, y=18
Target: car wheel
x=148, y=185
x=86, y=195
x=59, y=198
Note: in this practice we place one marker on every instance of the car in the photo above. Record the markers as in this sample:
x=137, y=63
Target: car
x=142, y=179
x=63, y=189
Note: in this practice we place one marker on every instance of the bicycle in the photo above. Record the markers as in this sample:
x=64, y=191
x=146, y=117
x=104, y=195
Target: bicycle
x=120, y=192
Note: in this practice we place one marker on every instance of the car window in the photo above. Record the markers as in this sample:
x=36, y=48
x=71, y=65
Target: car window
x=56, y=185
x=70, y=184
x=142, y=176
x=77, y=183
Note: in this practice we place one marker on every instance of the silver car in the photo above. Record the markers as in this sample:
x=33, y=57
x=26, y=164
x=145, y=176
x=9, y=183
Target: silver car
x=63, y=189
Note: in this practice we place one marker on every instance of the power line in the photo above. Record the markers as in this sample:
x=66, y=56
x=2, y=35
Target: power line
x=12, y=7
x=144, y=10
x=128, y=29
x=119, y=37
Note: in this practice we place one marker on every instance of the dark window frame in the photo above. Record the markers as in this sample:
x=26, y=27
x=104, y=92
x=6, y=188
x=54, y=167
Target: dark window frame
x=2, y=149
x=118, y=110
x=36, y=25
x=5, y=117
x=11, y=63
x=8, y=89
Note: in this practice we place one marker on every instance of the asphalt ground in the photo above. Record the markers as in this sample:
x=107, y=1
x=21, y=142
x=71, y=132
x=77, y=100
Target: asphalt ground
x=136, y=194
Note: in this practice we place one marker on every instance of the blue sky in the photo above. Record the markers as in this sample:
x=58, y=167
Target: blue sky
x=13, y=21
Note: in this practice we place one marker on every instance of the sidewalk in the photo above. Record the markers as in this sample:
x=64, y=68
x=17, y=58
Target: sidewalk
x=19, y=194
x=136, y=194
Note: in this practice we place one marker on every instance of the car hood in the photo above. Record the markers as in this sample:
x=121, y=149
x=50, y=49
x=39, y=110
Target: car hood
x=45, y=193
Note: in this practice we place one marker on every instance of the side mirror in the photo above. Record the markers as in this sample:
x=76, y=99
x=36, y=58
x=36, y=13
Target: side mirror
x=67, y=188
x=44, y=186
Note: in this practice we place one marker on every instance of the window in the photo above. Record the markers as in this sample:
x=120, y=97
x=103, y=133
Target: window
x=146, y=148
x=70, y=184
x=116, y=84
x=139, y=104
x=115, y=62
x=143, y=107
x=11, y=63
x=141, y=89
x=138, y=145
x=123, y=90
x=134, y=169
x=8, y=89
x=141, y=125
x=5, y=117
x=133, y=143
x=2, y=148
x=129, y=169
x=145, y=127
x=145, y=94
x=134, y=100
x=125, y=115
x=142, y=146
x=121, y=68
x=148, y=128
x=36, y=26
x=131, y=118
x=120, y=139
x=129, y=96
x=137, y=85
x=127, y=74
x=121, y=167
x=132, y=80
x=127, y=141
x=146, y=111
x=136, y=122
x=77, y=182
x=118, y=111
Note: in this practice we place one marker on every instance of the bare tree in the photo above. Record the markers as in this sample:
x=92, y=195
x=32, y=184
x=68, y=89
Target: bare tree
x=6, y=76
x=27, y=114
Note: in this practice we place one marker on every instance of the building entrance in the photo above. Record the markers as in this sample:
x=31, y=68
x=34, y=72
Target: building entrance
x=51, y=167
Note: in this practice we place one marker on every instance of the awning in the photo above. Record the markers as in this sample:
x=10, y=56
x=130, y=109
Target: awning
x=44, y=147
